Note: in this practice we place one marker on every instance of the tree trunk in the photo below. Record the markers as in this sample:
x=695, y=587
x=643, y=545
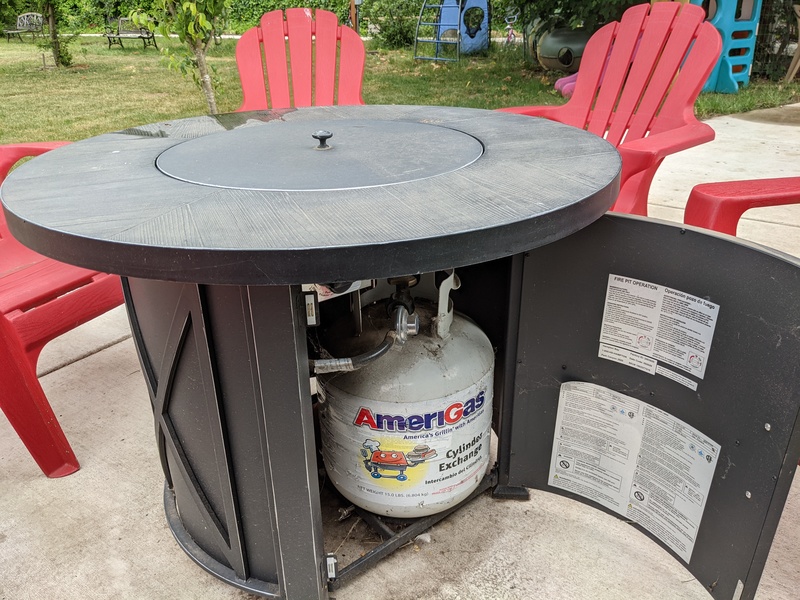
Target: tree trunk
x=51, y=26
x=205, y=77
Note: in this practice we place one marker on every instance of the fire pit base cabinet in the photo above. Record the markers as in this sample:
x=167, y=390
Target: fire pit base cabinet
x=408, y=435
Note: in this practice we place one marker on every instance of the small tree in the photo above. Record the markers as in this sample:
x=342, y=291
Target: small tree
x=196, y=23
x=49, y=10
x=51, y=13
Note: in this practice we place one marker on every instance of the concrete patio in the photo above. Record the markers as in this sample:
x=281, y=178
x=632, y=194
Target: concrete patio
x=101, y=534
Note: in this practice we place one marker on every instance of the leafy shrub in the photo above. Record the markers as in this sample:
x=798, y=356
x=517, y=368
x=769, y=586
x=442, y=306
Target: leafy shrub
x=244, y=14
x=79, y=15
x=392, y=22
x=64, y=54
x=9, y=9
x=777, y=29
x=97, y=13
x=589, y=14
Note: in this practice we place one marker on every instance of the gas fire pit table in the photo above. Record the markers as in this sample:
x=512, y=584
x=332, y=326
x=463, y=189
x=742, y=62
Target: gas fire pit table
x=216, y=223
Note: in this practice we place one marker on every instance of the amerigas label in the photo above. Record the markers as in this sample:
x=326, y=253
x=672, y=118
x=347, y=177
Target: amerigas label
x=410, y=453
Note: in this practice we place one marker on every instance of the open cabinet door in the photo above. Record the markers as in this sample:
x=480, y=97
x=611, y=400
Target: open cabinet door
x=681, y=352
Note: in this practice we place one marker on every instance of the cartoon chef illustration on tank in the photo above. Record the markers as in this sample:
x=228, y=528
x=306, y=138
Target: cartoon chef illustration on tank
x=380, y=463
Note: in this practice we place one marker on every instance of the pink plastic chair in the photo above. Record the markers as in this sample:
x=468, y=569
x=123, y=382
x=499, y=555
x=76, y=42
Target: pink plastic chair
x=642, y=100
x=719, y=206
x=324, y=66
x=40, y=299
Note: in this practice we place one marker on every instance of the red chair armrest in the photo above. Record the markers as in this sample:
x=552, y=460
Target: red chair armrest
x=719, y=206
x=649, y=151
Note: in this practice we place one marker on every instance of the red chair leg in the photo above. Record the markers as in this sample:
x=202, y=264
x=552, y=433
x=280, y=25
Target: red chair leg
x=25, y=405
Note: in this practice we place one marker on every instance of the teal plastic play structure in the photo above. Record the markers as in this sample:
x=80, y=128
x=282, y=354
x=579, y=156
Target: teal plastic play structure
x=473, y=28
x=737, y=22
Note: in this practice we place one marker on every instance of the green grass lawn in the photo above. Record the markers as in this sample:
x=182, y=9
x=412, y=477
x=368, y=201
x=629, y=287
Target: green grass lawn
x=110, y=89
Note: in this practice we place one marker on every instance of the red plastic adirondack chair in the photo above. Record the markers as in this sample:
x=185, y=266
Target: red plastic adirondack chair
x=324, y=66
x=40, y=299
x=642, y=100
x=719, y=206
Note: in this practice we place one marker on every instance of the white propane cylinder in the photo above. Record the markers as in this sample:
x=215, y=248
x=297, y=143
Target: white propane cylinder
x=408, y=435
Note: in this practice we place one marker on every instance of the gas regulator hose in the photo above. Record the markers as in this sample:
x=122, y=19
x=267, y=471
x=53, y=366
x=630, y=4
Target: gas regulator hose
x=404, y=325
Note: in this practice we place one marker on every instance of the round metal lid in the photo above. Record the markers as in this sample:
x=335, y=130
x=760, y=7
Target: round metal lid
x=354, y=154
x=248, y=200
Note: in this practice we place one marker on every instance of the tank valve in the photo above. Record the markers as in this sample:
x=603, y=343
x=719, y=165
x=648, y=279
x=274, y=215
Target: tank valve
x=405, y=324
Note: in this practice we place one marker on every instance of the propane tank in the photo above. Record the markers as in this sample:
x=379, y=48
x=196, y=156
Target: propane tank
x=408, y=435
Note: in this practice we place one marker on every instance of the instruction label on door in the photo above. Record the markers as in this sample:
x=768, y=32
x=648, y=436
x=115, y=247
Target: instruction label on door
x=634, y=459
x=646, y=324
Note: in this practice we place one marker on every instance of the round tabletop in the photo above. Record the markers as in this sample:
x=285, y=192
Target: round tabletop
x=323, y=194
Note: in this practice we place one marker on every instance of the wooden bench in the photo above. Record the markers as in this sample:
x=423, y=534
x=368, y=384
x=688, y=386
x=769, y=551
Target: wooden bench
x=26, y=23
x=125, y=29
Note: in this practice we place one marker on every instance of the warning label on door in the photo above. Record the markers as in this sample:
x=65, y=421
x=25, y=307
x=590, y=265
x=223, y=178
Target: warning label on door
x=645, y=324
x=634, y=459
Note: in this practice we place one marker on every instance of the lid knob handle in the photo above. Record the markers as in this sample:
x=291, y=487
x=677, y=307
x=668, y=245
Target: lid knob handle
x=323, y=136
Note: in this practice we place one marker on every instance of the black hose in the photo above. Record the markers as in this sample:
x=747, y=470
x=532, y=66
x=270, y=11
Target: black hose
x=334, y=365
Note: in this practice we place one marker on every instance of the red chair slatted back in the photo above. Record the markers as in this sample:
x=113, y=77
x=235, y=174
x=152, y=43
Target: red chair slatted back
x=324, y=64
x=636, y=91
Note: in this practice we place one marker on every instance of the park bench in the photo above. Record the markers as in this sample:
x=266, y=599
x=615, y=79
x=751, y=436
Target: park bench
x=26, y=23
x=125, y=29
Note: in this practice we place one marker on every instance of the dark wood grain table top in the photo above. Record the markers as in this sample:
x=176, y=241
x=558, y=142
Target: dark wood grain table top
x=249, y=198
